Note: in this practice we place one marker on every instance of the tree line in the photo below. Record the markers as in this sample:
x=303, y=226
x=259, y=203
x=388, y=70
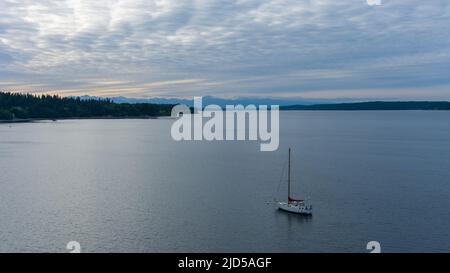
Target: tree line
x=29, y=106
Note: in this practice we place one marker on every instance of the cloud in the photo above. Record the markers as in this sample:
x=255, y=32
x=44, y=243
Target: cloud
x=272, y=48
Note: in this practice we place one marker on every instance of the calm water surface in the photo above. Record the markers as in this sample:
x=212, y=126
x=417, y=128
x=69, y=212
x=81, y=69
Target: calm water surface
x=126, y=186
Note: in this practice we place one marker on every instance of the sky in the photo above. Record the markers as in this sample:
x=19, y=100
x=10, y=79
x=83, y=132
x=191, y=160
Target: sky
x=293, y=49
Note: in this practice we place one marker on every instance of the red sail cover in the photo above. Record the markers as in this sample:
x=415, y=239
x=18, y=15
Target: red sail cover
x=290, y=200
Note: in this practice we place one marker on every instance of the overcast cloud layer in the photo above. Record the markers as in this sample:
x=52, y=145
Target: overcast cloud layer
x=317, y=49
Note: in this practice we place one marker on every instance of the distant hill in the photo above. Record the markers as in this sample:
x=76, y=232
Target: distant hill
x=375, y=105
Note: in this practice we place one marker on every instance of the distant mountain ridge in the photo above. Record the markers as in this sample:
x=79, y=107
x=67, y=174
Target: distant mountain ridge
x=206, y=101
x=292, y=105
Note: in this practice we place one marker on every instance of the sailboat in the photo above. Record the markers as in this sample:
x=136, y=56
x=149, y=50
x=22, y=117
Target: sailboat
x=292, y=205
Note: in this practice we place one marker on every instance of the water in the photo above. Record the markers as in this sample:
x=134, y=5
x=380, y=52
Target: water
x=126, y=186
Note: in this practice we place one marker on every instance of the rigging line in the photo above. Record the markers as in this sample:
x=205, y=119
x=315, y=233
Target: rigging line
x=281, y=180
x=292, y=169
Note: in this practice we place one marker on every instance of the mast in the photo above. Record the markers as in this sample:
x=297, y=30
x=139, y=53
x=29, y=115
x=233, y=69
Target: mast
x=289, y=177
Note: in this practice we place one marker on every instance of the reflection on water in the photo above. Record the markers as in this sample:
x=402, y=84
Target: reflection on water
x=126, y=186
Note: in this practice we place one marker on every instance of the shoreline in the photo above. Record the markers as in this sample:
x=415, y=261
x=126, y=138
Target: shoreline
x=31, y=120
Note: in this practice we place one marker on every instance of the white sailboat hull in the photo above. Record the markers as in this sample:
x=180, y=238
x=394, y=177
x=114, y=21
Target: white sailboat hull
x=295, y=208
